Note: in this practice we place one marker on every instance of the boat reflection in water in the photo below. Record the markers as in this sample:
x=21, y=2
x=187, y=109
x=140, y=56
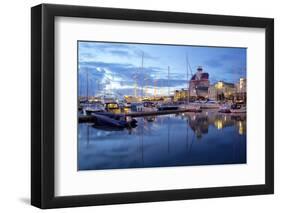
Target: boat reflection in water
x=207, y=138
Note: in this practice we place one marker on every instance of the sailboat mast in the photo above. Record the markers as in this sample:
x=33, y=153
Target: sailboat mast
x=155, y=89
x=187, y=84
x=136, y=85
x=87, y=86
x=112, y=85
x=168, y=80
x=142, y=73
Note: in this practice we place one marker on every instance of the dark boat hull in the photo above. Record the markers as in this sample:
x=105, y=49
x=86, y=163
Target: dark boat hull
x=165, y=108
x=105, y=119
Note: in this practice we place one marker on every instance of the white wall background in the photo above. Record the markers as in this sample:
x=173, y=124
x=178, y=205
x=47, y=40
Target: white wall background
x=15, y=105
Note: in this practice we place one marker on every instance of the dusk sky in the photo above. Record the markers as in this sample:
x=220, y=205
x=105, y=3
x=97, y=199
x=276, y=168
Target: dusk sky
x=117, y=67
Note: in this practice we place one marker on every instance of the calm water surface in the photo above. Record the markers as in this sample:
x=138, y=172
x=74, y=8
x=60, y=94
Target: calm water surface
x=184, y=139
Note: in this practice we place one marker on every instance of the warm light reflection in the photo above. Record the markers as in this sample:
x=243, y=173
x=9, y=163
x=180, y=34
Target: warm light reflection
x=112, y=106
x=126, y=110
x=219, y=124
x=241, y=129
x=116, y=111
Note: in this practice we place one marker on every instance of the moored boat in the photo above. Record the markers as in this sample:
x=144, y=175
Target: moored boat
x=92, y=108
x=111, y=105
x=142, y=107
x=243, y=109
x=165, y=107
x=119, y=117
x=225, y=109
x=102, y=120
x=127, y=105
x=234, y=108
x=190, y=107
x=238, y=108
x=210, y=104
x=108, y=120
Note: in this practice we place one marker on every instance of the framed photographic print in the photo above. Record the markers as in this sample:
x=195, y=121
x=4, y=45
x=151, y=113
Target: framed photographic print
x=139, y=106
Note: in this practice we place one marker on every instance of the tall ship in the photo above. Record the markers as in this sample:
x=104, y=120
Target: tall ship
x=199, y=84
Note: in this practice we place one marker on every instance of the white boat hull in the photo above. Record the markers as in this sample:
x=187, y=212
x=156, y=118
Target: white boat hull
x=238, y=110
x=210, y=106
x=190, y=107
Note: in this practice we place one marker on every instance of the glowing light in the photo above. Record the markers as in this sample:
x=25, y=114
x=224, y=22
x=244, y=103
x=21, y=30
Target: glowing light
x=219, y=85
x=219, y=124
x=240, y=130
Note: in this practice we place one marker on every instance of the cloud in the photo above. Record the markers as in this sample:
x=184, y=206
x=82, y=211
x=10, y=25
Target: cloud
x=119, y=49
x=124, y=71
x=123, y=77
x=121, y=53
x=117, y=66
x=115, y=76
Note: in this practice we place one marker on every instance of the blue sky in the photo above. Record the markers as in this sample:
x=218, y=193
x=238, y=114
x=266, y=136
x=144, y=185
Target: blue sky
x=117, y=67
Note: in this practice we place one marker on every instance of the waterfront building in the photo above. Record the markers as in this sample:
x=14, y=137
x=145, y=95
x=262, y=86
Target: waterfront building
x=228, y=91
x=212, y=92
x=131, y=99
x=199, y=84
x=241, y=90
x=223, y=90
x=241, y=85
x=181, y=95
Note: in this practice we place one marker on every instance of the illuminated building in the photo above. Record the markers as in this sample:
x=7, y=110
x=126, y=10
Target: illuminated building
x=181, y=95
x=222, y=90
x=241, y=88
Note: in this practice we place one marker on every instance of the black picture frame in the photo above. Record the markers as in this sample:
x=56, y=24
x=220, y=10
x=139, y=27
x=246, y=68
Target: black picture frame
x=43, y=102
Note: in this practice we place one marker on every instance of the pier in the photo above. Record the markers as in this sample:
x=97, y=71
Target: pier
x=155, y=113
x=92, y=118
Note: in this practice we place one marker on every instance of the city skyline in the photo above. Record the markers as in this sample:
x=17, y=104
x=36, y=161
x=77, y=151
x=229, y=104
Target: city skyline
x=117, y=67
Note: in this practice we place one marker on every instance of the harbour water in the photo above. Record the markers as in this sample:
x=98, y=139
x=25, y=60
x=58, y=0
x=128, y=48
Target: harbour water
x=185, y=139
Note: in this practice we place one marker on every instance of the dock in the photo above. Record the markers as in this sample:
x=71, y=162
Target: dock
x=155, y=113
x=92, y=118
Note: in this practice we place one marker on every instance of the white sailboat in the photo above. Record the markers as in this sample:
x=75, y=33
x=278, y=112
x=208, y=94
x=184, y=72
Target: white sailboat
x=187, y=105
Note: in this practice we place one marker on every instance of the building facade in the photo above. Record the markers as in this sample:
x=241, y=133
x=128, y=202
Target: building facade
x=241, y=90
x=181, y=95
x=220, y=91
